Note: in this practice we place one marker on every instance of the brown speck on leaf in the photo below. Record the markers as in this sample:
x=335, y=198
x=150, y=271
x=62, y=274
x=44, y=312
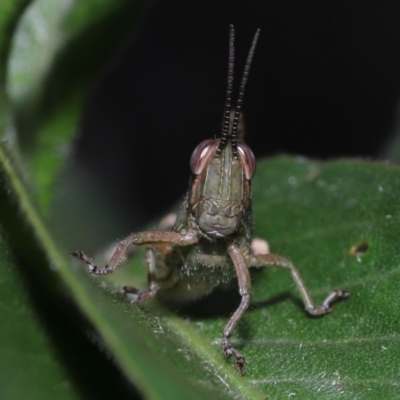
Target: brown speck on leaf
x=359, y=249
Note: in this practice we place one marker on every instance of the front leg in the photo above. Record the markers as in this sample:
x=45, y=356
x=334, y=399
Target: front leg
x=267, y=260
x=244, y=282
x=190, y=236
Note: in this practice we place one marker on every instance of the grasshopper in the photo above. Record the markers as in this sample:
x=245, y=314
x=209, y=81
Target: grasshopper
x=210, y=243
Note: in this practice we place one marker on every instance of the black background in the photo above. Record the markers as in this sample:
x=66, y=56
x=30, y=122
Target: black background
x=324, y=83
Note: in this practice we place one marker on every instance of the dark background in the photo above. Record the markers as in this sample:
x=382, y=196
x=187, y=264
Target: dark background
x=325, y=82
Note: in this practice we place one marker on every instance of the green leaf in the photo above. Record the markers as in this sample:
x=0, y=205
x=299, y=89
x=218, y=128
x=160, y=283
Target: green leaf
x=319, y=212
x=58, y=49
x=315, y=214
x=10, y=10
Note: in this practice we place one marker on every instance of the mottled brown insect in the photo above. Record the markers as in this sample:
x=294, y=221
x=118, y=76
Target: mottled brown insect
x=210, y=242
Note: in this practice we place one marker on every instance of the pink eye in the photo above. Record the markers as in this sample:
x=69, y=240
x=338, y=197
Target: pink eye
x=201, y=155
x=247, y=159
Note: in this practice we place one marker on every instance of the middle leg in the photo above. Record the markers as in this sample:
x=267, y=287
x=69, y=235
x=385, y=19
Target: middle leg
x=152, y=285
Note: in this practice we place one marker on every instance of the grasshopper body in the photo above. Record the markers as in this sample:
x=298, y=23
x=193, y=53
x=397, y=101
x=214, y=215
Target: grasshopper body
x=210, y=242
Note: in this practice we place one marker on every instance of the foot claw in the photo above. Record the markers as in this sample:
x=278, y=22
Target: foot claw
x=240, y=360
x=130, y=293
x=326, y=307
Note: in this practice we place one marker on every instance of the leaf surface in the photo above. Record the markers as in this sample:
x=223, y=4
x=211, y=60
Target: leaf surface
x=315, y=213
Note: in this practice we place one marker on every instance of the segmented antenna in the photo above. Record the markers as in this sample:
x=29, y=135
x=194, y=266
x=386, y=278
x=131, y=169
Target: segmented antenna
x=241, y=94
x=228, y=97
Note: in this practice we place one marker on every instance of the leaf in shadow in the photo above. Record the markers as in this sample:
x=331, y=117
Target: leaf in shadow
x=29, y=367
x=58, y=49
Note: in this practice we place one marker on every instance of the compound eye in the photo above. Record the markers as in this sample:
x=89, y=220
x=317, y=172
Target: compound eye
x=247, y=159
x=201, y=155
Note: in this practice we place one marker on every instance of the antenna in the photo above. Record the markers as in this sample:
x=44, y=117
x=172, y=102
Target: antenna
x=241, y=93
x=228, y=97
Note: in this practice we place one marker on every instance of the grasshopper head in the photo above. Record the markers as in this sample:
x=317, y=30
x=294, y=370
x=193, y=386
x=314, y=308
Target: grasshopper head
x=223, y=168
x=221, y=188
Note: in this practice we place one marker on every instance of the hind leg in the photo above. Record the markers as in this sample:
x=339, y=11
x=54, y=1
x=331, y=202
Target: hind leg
x=275, y=260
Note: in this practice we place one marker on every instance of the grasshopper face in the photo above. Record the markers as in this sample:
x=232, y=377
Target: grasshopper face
x=220, y=192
